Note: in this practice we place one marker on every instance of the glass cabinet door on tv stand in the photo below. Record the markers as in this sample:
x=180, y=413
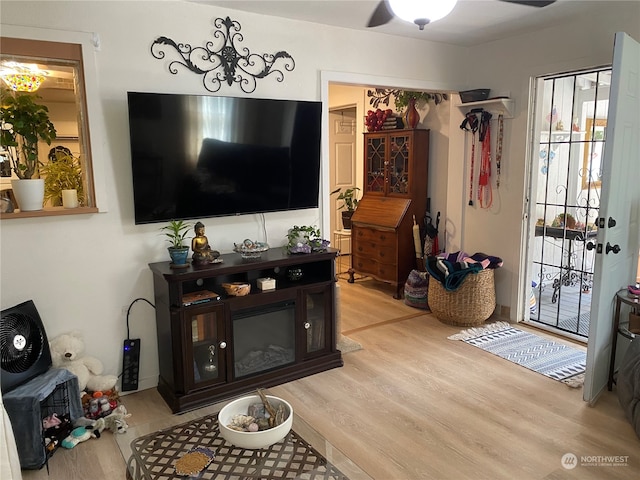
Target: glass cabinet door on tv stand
x=206, y=346
x=317, y=305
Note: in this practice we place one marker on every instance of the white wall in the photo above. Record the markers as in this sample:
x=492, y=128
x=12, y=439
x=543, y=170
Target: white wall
x=82, y=270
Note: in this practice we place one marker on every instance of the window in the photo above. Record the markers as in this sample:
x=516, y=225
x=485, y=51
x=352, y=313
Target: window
x=64, y=93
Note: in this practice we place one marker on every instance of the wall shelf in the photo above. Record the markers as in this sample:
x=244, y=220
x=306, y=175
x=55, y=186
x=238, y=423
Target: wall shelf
x=495, y=106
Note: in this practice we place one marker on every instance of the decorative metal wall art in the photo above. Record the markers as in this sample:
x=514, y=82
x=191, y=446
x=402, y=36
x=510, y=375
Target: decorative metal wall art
x=221, y=61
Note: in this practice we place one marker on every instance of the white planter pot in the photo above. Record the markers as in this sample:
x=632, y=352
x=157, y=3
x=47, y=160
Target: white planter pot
x=29, y=193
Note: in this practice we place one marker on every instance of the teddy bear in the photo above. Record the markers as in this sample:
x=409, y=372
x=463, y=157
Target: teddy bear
x=67, y=352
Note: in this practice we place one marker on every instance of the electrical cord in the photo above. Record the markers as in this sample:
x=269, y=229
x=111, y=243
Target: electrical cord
x=127, y=319
x=129, y=310
x=264, y=229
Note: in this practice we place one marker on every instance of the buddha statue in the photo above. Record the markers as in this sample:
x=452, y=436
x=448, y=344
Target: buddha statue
x=202, y=251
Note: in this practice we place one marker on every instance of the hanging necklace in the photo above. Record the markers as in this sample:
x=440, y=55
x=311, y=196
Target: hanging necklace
x=499, y=148
x=485, y=195
x=470, y=124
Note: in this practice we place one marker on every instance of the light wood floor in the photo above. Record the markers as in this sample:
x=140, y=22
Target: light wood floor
x=414, y=405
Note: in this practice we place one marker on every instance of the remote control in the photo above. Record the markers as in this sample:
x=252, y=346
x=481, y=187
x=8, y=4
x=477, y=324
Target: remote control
x=130, y=364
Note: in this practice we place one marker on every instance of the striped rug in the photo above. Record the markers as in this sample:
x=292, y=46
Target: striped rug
x=551, y=359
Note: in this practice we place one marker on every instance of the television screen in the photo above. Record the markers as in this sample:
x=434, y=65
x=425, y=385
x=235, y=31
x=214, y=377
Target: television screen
x=196, y=156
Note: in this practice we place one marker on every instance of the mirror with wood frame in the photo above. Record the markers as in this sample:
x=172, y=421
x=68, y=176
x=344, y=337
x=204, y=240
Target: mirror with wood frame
x=62, y=91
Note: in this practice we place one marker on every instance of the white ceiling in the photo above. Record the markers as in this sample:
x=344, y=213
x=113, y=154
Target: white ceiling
x=471, y=22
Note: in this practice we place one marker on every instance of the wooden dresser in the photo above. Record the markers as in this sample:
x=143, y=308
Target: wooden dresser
x=395, y=190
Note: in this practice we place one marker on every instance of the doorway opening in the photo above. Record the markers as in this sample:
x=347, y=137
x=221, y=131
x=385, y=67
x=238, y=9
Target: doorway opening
x=570, y=118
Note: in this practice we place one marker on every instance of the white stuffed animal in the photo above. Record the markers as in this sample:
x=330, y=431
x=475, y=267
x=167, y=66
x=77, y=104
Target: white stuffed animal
x=67, y=352
x=116, y=421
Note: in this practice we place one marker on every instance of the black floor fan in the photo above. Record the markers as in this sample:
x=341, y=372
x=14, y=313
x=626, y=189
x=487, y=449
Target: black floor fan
x=24, y=348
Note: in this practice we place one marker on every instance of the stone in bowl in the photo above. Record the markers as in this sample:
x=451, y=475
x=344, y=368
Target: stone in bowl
x=253, y=440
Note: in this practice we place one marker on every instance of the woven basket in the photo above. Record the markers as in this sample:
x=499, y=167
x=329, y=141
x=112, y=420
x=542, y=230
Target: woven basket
x=472, y=304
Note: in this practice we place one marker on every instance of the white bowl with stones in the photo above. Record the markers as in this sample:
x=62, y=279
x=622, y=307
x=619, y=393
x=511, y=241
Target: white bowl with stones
x=261, y=438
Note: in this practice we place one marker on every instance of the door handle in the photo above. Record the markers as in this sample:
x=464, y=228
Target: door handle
x=615, y=248
x=591, y=245
x=611, y=223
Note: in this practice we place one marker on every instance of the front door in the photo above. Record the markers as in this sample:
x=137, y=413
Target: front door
x=618, y=236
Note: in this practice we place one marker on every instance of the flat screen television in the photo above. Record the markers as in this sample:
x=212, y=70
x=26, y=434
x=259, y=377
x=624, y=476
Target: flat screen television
x=197, y=156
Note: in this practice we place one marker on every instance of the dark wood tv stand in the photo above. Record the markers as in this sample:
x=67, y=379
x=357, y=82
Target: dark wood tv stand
x=219, y=348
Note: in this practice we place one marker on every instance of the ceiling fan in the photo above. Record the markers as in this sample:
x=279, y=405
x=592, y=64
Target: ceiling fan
x=384, y=13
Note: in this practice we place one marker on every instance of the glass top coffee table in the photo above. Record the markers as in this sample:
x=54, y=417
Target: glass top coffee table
x=151, y=450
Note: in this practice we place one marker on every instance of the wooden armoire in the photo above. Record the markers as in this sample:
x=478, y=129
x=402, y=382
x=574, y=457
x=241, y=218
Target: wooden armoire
x=394, y=192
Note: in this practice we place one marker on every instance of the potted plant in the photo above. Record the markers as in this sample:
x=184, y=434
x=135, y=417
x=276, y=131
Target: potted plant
x=62, y=172
x=23, y=123
x=563, y=220
x=176, y=231
x=407, y=99
x=305, y=239
x=349, y=203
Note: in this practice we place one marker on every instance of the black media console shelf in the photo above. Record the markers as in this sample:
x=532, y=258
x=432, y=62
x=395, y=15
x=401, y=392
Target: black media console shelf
x=211, y=349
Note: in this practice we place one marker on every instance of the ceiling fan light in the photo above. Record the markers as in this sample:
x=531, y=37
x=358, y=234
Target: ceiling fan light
x=415, y=11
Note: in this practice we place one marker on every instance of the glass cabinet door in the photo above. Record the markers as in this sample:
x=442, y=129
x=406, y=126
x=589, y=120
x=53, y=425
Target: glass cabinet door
x=398, y=167
x=317, y=309
x=206, y=346
x=375, y=149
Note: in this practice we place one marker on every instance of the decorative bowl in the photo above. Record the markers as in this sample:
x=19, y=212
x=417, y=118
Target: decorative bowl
x=253, y=440
x=249, y=249
x=237, y=289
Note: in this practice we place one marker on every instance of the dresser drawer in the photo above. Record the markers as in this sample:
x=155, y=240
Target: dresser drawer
x=379, y=238
x=381, y=271
x=376, y=252
x=364, y=265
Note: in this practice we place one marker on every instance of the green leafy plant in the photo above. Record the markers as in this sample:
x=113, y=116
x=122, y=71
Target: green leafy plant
x=403, y=97
x=305, y=239
x=62, y=172
x=23, y=123
x=175, y=231
x=380, y=96
x=569, y=221
x=349, y=198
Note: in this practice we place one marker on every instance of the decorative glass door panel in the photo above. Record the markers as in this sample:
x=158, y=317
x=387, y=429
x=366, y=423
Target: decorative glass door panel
x=205, y=330
x=398, y=168
x=375, y=151
x=316, y=308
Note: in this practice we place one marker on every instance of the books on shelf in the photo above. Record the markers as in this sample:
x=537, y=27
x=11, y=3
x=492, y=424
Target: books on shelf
x=201, y=296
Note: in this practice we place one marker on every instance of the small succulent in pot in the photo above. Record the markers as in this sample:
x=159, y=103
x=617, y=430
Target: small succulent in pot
x=176, y=231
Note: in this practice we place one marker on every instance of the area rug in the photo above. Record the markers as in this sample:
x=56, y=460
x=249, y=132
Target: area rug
x=551, y=359
x=154, y=456
x=577, y=324
x=346, y=345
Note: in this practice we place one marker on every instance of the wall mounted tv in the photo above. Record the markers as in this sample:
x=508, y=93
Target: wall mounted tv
x=196, y=156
